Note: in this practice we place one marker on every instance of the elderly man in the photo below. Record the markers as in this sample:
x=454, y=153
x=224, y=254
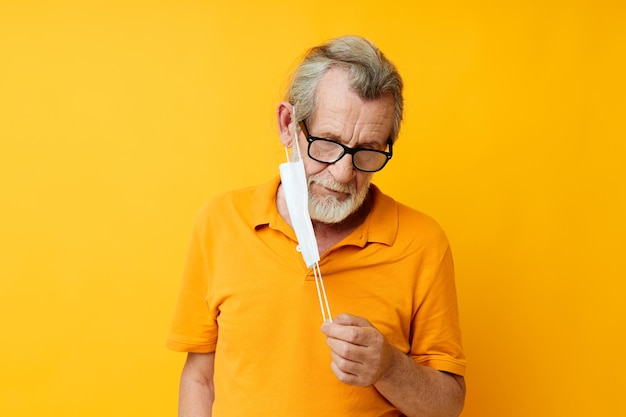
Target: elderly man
x=249, y=307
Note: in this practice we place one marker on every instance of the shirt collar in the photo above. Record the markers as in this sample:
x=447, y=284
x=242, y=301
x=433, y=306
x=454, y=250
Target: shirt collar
x=381, y=225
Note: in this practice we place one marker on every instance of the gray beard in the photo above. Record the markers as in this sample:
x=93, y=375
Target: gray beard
x=328, y=209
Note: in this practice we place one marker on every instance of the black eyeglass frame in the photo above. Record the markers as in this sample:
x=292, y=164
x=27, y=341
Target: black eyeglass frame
x=346, y=150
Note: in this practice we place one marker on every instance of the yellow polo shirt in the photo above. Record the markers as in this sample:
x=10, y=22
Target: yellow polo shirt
x=247, y=295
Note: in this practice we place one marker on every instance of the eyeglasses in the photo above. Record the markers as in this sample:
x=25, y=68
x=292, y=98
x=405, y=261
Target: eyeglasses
x=329, y=151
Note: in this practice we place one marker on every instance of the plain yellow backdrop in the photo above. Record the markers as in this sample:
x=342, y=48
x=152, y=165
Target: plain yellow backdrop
x=118, y=119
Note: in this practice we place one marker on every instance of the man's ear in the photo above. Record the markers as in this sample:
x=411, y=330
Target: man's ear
x=285, y=125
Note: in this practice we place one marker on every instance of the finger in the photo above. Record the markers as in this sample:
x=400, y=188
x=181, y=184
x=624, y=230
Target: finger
x=349, y=334
x=345, y=377
x=349, y=372
x=351, y=320
x=346, y=327
x=347, y=365
x=346, y=350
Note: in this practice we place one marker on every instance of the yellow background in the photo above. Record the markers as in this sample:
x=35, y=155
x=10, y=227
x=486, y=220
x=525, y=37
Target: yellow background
x=119, y=119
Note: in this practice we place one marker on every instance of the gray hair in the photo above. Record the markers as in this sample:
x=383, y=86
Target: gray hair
x=370, y=73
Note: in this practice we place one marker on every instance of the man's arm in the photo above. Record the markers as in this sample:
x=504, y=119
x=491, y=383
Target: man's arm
x=196, y=386
x=362, y=356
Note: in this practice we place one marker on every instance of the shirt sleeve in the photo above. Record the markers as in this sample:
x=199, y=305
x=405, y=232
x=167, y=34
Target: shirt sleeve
x=194, y=327
x=436, y=334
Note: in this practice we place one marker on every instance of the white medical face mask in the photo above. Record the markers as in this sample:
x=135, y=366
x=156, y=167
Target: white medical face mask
x=296, y=192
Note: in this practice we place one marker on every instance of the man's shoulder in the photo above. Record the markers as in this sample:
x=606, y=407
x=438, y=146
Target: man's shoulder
x=405, y=212
x=240, y=202
x=412, y=214
x=409, y=220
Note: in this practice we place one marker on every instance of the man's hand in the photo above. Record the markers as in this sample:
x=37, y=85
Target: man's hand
x=361, y=354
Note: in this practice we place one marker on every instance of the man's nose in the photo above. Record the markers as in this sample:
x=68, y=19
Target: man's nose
x=343, y=171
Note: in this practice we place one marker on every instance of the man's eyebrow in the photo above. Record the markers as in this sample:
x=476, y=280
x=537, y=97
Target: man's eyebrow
x=327, y=135
x=366, y=145
x=370, y=144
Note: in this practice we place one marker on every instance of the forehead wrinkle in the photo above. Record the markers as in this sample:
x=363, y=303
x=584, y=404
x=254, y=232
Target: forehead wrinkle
x=343, y=116
x=352, y=131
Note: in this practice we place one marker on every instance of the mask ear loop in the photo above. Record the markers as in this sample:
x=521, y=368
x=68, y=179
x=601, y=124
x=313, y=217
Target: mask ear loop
x=321, y=293
x=295, y=147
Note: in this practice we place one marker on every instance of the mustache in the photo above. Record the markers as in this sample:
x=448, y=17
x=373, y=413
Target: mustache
x=349, y=188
